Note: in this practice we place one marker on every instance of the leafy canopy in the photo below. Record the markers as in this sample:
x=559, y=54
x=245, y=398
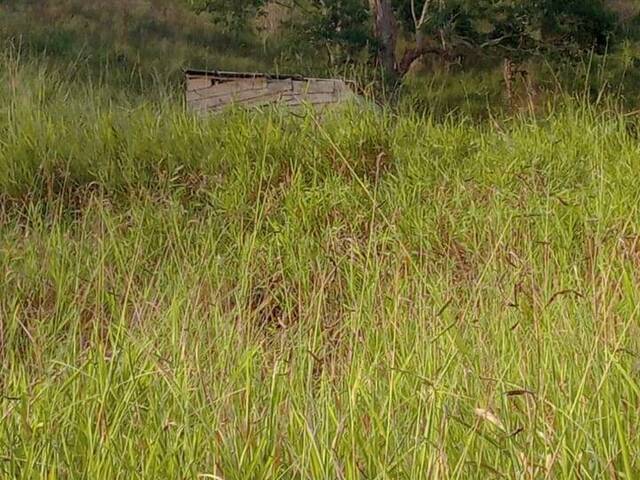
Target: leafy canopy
x=519, y=27
x=231, y=13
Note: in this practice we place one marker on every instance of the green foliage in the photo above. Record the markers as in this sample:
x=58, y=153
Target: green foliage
x=125, y=40
x=343, y=26
x=522, y=27
x=164, y=36
x=554, y=25
x=369, y=294
x=518, y=29
x=586, y=23
x=234, y=14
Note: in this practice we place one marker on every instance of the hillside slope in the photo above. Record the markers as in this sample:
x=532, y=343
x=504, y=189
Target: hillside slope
x=148, y=36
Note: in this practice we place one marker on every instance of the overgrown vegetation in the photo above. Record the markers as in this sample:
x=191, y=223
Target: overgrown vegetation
x=363, y=295
x=127, y=39
x=373, y=292
x=451, y=54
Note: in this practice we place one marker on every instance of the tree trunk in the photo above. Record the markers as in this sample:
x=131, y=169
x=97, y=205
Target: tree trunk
x=507, y=72
x=385, y=31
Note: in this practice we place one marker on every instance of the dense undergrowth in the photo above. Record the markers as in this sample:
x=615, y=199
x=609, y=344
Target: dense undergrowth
x=363, y=294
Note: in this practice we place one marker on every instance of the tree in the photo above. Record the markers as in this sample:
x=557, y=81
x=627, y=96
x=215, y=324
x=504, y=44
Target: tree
x=331, y=15
x=513, y=29
x=234, y=14
x=341, y=26
x=385, y=29
x=416, y=17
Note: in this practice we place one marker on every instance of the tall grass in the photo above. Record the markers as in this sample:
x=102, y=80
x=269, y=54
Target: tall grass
x=149, y=37
x=362, y=295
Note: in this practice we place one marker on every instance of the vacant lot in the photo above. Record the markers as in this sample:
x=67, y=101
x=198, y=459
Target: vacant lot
x=364, y=295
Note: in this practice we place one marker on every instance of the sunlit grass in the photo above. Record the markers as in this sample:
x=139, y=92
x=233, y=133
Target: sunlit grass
x=148, y=37
x=363, y=295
